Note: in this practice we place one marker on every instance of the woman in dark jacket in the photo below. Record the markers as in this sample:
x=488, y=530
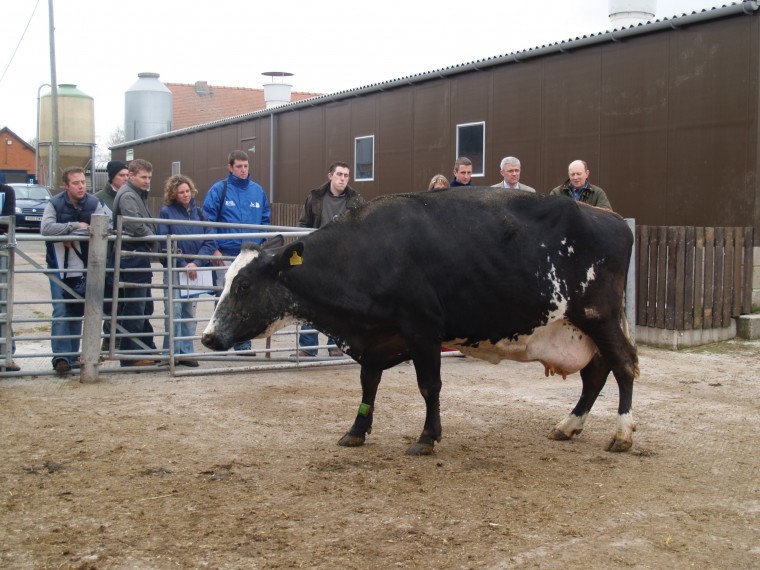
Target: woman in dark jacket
x=179, y=197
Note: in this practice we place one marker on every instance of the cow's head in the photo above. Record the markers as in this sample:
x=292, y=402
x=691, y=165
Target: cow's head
x=253, y=303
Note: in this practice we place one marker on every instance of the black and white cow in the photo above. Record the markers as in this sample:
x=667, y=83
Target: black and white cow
x=497, y=273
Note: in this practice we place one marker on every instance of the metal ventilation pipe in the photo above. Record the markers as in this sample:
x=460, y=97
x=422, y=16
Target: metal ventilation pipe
x=625, y=13
x=276, y=94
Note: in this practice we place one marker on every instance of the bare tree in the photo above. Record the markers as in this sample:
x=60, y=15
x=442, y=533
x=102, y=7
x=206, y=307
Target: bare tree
x=102, y=152
x=117, y=136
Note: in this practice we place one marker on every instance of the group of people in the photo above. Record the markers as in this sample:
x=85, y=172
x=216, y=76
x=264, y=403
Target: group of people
x=236, y=200
x=577, y=185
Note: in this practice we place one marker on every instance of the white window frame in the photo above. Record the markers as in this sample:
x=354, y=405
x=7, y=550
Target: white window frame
x=176, y=168
x=371, y=176
x=468, y=153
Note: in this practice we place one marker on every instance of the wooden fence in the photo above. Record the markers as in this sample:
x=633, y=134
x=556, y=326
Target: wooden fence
x=692, y=277
x=286, y=214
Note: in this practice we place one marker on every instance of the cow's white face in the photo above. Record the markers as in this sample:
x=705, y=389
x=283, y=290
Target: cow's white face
x=244, y=258
x=248, y=306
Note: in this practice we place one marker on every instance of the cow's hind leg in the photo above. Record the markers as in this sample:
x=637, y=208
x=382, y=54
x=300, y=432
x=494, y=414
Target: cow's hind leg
x=621, y=355
x=594, y=376
x=370, y=378
x=616, y=353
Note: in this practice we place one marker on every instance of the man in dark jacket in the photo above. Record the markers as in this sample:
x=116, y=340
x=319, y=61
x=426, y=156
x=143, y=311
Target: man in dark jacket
x=322, y=206
x=118, y=172
x=334, y=197
x=578, y=188
x=462, y=172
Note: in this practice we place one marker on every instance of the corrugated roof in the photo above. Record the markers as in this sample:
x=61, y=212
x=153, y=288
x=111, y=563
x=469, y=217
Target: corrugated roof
x=614, y=35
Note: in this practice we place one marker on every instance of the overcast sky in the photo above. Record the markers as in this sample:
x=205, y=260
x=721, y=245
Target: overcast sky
x=329, y=46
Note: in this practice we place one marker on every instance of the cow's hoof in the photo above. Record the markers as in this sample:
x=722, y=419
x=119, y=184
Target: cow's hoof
x=619, y=444
x=558, y=435
x=349, y=440
x=420, y=449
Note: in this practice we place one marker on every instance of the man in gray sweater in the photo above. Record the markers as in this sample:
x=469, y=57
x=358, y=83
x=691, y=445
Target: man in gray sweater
x=131, y=200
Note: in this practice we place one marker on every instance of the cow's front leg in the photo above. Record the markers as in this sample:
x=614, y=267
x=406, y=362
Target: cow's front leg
x=370, y=378
x=427, y=364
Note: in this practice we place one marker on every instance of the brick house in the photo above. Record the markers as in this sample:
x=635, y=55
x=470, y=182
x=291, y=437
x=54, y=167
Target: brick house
x=16, y=158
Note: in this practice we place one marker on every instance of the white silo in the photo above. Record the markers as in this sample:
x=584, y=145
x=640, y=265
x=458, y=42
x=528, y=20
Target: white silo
x=624, y=13
x=147, y=108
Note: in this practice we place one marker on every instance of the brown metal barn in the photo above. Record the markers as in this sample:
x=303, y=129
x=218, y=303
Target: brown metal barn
x=666, y=115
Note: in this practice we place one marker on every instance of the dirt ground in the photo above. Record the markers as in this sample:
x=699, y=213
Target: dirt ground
x=243, y=471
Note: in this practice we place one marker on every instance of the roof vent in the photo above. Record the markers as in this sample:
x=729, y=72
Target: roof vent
x=202, y=88
x=276, y=94
x=625, y=13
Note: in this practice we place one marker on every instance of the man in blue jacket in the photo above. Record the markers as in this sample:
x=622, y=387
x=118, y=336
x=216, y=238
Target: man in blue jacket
x=236, y=200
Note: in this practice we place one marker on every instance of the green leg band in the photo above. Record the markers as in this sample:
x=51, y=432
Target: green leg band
x=364, y=409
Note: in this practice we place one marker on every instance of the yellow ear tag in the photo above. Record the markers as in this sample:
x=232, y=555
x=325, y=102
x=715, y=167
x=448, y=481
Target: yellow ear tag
x=296, y=259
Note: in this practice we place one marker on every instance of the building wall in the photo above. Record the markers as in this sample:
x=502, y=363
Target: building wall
x=16, y=158
x=667, y=122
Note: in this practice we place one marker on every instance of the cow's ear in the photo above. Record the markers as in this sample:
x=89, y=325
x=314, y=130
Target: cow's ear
x=291, y=256
x=273, y=242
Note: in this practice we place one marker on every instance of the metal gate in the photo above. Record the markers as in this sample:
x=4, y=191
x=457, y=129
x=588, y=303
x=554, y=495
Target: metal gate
x=26, y=304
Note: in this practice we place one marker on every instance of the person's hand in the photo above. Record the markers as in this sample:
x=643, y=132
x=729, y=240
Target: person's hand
x=192, y=274
x=218, y=262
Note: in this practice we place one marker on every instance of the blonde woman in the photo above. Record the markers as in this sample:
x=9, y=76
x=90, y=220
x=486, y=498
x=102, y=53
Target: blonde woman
x=438, y=181
x=179, y=197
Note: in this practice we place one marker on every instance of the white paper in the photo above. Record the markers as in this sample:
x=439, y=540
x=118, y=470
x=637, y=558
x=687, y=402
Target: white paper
x=204, y=279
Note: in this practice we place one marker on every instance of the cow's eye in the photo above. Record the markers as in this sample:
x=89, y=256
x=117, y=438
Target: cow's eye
x=243, y=287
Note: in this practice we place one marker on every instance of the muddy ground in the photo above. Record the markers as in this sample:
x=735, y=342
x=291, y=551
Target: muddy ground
x=243, y=471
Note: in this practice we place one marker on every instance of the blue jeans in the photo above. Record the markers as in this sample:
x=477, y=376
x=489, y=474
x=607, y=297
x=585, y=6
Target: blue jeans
x=64, y=348
x=136, y=329
x=184, y=309
x=307, y=340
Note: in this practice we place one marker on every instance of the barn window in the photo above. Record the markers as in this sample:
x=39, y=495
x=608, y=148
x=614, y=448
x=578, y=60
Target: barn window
x=471, y=142
x=175, y=168
x=364, y=158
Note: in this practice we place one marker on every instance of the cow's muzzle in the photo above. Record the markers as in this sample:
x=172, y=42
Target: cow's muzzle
x=211, y=340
